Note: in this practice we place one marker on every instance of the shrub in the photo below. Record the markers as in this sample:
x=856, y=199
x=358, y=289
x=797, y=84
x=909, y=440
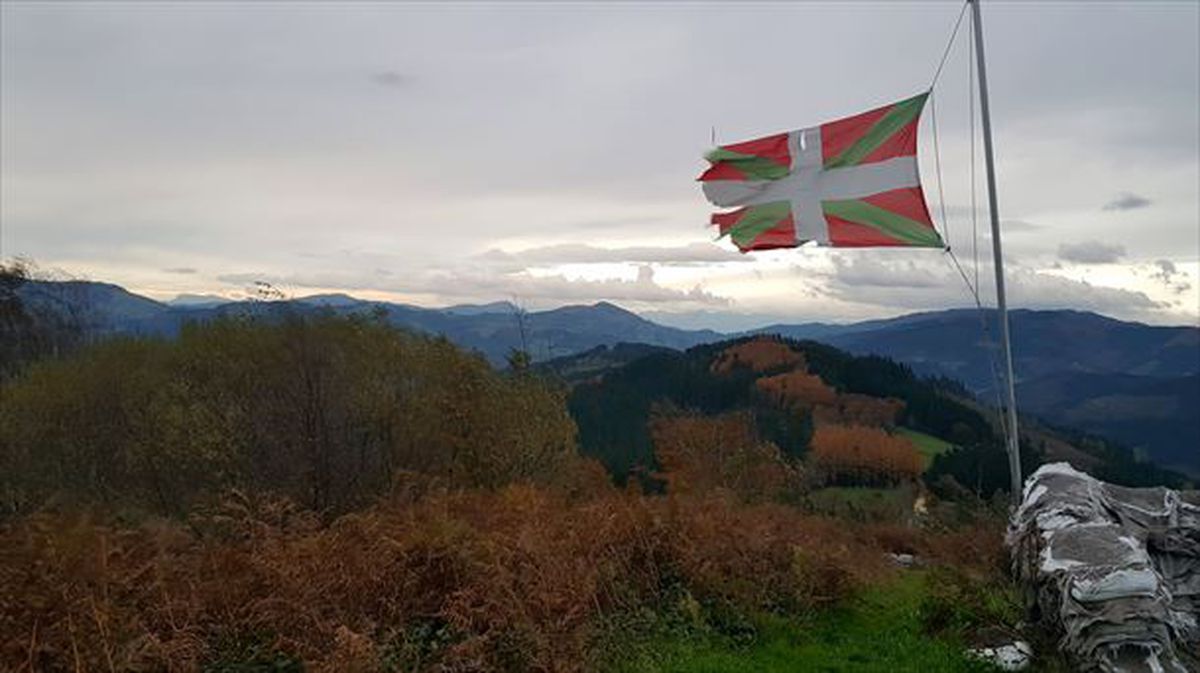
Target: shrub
x=323, y=409
x=520, y=578
x=959, y=603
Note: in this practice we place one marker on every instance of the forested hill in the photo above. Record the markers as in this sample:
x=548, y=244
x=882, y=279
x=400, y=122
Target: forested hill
x=1128, y=382
x=788, y=392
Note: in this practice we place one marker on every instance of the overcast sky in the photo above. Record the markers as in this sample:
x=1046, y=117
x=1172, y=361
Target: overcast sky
x=449, y=153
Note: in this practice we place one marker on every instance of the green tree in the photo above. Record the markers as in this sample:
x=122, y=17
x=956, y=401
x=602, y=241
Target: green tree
x=34, y=323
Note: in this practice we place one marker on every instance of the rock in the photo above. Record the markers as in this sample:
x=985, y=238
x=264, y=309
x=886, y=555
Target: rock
x=904, y=560
x=1114, y=571
x=1015, y=656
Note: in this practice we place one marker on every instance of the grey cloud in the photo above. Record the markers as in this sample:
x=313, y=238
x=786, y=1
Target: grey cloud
x=230, y=142
x=1127, y=201
x=1039, y=290
x=1170, y=276
x=477, y=284
x=248, y=278
x=1018, y=225
x=932, y=284
x=1091, y=252
x=391, y=79
x=1166, y=270
x=868, y=272
x=960, y=219
x=623, y=223
x=580, y=253
x=180, y=270
x=557, y=289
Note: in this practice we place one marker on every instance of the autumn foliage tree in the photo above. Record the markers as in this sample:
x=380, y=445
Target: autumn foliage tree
x=855, y=409
x=762, y=354
x=797, y=388
x=700, y=454
x=860, y=455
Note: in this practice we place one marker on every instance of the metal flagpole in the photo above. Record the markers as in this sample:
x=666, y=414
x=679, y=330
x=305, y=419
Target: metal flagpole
x=1013, y=437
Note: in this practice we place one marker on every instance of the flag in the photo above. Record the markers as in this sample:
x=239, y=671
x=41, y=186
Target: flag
x=848, y=183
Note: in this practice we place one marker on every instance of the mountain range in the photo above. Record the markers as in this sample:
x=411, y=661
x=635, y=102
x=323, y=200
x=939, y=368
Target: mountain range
x=1133, y=383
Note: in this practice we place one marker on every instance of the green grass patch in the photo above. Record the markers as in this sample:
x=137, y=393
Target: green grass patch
x=859, y=503
x=879, y=631
x=927, y=445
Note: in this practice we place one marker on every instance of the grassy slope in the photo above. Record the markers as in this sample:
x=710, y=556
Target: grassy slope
x=927, y=445
x=878, y=632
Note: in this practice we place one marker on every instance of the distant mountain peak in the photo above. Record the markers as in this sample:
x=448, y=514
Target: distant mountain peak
x=186, y=300
x=332, y=299
x=481, y=309
x=610, y=307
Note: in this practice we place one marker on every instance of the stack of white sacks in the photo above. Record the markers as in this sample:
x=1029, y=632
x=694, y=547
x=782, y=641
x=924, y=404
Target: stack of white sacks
x=1115, y=570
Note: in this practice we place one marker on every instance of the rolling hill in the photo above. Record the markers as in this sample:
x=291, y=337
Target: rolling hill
x=491, y=329
x=1125, y=381
x=953, y=343
x=1154, y=415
